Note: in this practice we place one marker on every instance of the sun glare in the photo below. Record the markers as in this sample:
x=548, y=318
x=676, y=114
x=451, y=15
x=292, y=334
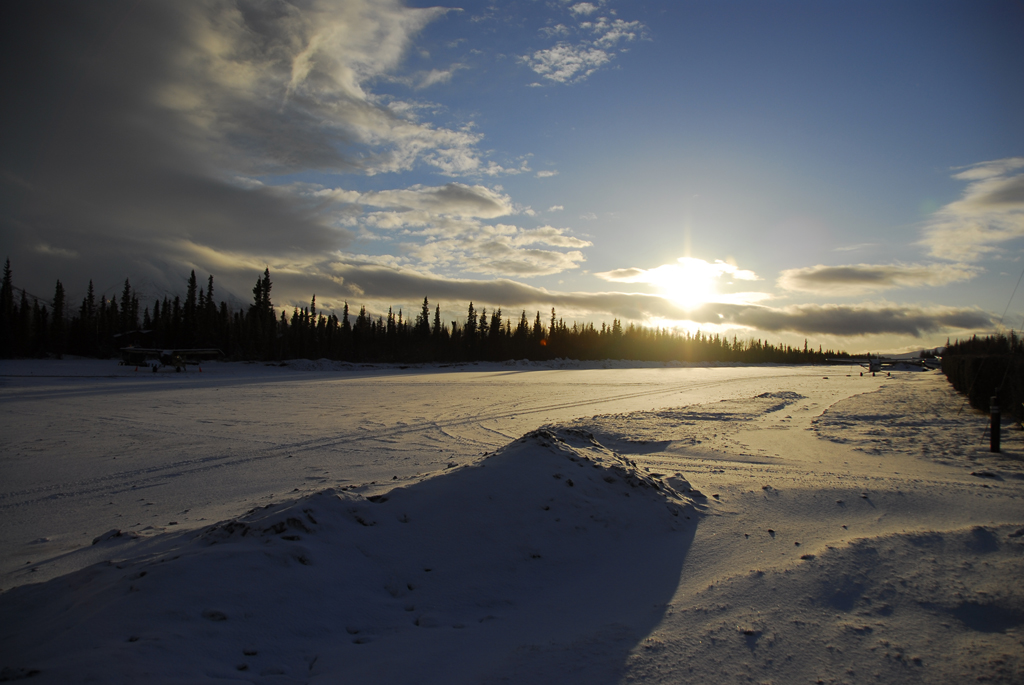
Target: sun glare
x=688, y=284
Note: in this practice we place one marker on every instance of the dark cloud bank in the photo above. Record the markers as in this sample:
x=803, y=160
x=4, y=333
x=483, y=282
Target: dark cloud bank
x=120, y=152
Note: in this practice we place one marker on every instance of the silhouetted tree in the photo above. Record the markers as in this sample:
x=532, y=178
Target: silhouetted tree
x=7, y=322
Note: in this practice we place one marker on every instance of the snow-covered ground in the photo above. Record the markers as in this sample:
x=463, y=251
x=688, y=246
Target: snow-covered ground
x=322, y=522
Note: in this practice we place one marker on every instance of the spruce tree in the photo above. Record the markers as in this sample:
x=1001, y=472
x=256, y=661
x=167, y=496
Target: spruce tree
x=40, y=343
x=495, y=328
x=86, y=343
x=57, y=331
x=210, y=315
x=190, y=307
x=470, y=328
x=23, y=328
x=7, y=312
x=126, y=324
x=422, y=327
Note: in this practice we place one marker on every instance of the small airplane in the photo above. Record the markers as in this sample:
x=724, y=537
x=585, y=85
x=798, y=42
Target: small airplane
x=178, y=358
x=876, y=363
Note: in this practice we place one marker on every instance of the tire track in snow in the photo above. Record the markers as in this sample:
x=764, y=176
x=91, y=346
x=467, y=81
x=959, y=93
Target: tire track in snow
x=135, y=479
x=321, y=442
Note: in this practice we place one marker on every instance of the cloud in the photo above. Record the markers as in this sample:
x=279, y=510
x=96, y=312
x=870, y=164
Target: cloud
x=855, y=279
x=685, y=268
x=583, y=8
x=566, y=63
x=502, y=250
x=150, y=135
x=429, y=78
x=546, y=174
x=857, y=320
x=983, y=170
x=556, y=208
x=549, y=235
x=421, y=80
x=281, y=89
x=571, y=62
x=990, y=213
x=556, y=30
x=50, y=250
x=443, y=228
x=454, y=199
x=609, y=33
x=494, y=169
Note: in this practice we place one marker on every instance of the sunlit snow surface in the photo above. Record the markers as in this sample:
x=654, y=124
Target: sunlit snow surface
x=322, y=522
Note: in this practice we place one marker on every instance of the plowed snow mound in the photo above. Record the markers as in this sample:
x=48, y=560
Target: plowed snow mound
x=550, y=541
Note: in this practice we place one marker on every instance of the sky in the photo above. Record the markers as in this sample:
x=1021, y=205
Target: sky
x=851, y=173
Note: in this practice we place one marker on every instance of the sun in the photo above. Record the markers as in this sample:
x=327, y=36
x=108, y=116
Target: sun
x=689, y=284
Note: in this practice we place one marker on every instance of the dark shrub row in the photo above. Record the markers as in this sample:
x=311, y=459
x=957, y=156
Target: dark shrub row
x=981, y=368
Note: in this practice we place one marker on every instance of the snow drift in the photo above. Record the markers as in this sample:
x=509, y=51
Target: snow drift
x=488, y=569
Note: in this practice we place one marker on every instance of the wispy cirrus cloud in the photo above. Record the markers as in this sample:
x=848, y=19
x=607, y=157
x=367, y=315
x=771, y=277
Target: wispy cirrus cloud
x=989, y=214
x=425, y=79
x=856, y=279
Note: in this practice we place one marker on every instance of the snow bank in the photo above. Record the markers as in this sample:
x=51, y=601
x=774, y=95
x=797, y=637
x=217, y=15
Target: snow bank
x=502, y=564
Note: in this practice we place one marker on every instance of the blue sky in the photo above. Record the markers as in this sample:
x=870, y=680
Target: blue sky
x=850, y=173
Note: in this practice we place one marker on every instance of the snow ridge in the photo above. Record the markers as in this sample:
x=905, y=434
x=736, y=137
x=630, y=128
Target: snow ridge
x=549, y=540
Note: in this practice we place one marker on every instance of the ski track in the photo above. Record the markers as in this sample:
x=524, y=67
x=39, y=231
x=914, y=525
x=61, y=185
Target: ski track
x=368, y=432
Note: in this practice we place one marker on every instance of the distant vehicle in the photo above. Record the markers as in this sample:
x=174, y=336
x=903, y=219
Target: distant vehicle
x=876, y=363
x=178, y=358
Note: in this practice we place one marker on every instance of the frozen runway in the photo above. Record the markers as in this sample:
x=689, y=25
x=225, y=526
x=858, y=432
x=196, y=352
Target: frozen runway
x=89, y=445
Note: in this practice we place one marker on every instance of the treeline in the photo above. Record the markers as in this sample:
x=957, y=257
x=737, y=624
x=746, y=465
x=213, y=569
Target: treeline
x=100, y=327
x=981, y=368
